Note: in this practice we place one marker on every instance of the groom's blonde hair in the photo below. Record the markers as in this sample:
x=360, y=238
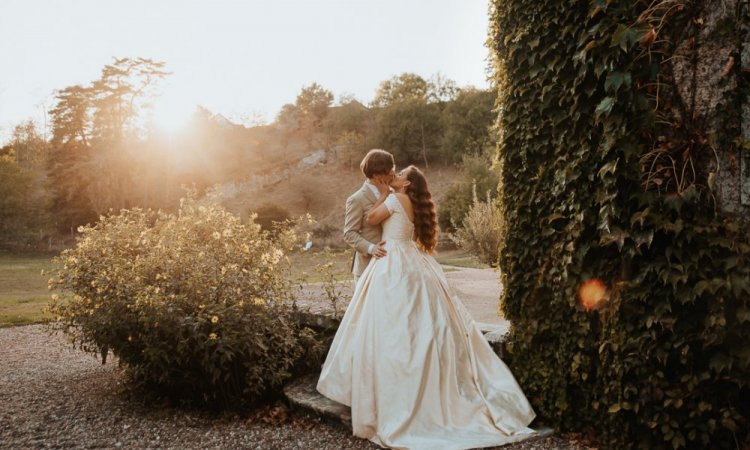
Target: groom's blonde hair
x=377, y=162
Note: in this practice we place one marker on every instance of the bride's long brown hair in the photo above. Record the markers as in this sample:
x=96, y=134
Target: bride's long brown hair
x=425, y=218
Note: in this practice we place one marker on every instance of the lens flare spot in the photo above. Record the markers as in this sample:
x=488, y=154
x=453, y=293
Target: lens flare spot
x=593, y=294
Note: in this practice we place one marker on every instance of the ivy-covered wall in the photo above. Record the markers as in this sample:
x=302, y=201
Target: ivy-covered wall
x=620, y=153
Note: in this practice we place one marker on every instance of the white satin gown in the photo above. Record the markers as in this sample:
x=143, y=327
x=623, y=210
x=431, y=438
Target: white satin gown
x=411, y=363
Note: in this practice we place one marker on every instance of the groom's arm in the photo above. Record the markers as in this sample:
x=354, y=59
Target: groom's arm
x=353, y=224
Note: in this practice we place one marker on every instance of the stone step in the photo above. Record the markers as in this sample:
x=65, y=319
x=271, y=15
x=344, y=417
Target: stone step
x=303, y=397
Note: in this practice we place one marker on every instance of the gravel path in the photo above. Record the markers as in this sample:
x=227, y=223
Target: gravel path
x=52, y=396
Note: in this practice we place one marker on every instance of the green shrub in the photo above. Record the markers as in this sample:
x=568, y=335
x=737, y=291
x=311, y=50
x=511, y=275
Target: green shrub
x=457, y=200
x=194, y=304
x=481, y=230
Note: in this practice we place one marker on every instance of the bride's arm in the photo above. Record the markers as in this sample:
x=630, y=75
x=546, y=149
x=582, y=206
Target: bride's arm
x=379, y=211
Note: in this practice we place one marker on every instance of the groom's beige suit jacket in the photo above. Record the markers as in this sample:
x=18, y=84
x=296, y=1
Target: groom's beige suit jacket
x=357, y=233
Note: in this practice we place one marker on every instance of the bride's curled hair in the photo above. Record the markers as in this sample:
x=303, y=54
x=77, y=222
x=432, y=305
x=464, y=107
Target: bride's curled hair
x=425, y=218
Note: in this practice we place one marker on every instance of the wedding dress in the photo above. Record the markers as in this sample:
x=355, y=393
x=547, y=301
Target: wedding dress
x=411, y=362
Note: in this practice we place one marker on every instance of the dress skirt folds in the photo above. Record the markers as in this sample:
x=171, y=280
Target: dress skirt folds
x=411, y=363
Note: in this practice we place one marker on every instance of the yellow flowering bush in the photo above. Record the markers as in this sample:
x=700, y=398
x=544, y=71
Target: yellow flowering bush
x=195, y=304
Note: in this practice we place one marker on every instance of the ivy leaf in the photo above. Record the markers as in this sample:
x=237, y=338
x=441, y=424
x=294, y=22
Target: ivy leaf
x=720, y=362
x=616, y=236
x=624, y=37
x=740, y=284
x=610, y=167
x=639, y=217
x=615, y=80
x=744, y=357
x=553, y=217
x=605, y=106
x=614, y=408
x=743, y=315
x=644, y=238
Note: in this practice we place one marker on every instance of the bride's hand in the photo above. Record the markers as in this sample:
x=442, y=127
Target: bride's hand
x=383, y=187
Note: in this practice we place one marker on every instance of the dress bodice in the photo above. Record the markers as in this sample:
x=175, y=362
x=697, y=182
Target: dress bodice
x=397, y=227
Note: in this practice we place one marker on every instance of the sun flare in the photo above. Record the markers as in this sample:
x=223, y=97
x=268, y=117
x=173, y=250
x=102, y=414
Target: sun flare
x=593, y=294
x=169, y=116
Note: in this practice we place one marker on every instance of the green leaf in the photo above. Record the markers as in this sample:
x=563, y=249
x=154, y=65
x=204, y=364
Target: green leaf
x=615, y=80
x=639, y=217
x=614, y=408
x=624, y=37
x=553, y=217
x=605, y=106
x=617, y=236
x=619, y=37
x=743, y=314
x=610, y=167
x=720, y=362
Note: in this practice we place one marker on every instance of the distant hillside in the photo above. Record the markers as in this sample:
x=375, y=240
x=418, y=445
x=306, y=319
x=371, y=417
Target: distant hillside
x=320, y=190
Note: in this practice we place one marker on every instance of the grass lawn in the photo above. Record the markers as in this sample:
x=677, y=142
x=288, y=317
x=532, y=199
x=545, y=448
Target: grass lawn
x=24, y=294
x=23, y=289
x=460, y=258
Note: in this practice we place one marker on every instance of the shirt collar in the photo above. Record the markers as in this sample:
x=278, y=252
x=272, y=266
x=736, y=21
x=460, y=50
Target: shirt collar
x=373, y=188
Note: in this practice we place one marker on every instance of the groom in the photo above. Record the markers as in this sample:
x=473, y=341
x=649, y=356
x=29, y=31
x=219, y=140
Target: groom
x=365, y=239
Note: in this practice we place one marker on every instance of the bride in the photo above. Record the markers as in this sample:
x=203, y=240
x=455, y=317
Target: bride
x=407, y=357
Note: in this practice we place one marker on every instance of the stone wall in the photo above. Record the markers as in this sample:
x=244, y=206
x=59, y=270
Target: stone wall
x=702, y=72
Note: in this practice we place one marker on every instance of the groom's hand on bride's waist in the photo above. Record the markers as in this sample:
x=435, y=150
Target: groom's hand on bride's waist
x=379, y=250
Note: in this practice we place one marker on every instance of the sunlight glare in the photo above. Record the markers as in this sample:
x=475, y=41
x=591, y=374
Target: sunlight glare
x=593, y=294
x=171, y=114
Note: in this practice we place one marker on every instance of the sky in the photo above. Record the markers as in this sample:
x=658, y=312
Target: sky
x=242, y=59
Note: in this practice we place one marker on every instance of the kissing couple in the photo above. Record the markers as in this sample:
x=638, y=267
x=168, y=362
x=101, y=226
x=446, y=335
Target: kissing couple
x=408, y=358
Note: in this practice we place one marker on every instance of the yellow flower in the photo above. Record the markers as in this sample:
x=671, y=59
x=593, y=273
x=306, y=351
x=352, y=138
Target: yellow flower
x=217, y=235
x=55, y=297
x=215, y=319
x=130, y=338
x=201, y=306
x=258, y=301
x=212, y=336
